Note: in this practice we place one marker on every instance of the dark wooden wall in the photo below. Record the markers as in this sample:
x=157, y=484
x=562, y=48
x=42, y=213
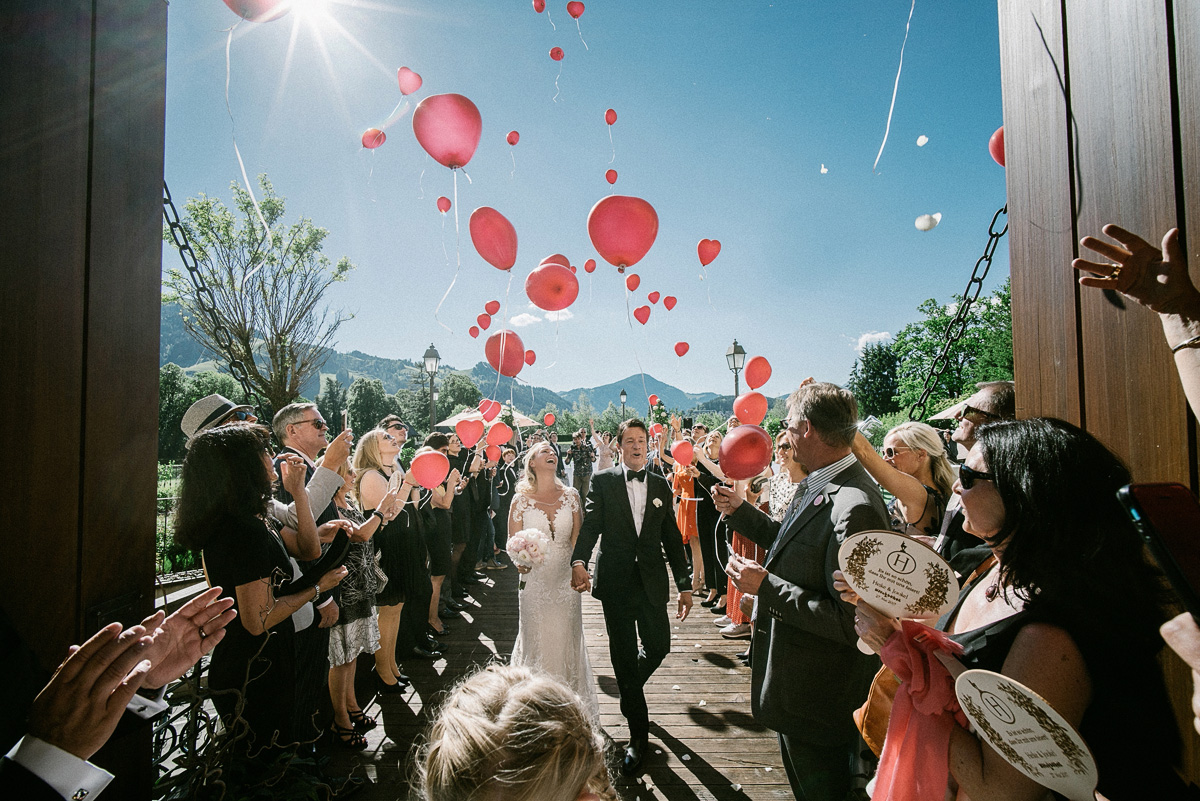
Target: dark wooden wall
x=1101, y=113
x=82, y=95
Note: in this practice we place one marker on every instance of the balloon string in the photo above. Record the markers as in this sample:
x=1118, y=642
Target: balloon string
x=552, y=25
x=445, y=254
x=421, y=184
x=585, y=47
x=558, y=91
x=457, y=257
x=238, y=153
x=557, y=323
x=637, y=358
x=895, y=87
x=614, y=147
x=513, y=174
x=399, y=111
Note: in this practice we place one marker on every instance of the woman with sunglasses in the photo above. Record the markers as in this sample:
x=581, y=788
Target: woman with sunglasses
x=914, y=468
x=1065, y=603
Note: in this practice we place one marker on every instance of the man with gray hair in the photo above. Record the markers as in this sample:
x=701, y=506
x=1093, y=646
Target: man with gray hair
x=808, y=675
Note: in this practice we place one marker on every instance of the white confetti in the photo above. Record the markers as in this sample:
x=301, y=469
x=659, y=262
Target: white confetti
x=737, y=787
x=674, y=636
x=927, y=222
x=686, y=757
x=702, y=703
x=768, y=769
x=922, y=140
x=824, y=169
x=697, y=645
x=938, y=216
x=657, y=750
x=675, y=687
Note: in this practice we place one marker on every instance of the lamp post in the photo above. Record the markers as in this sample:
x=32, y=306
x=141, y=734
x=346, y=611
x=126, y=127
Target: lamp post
x=432, y=358
x=735, y=357
x=623, y=397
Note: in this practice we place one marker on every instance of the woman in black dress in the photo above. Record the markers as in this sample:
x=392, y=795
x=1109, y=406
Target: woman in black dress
x=438, y=539
x=226, y=483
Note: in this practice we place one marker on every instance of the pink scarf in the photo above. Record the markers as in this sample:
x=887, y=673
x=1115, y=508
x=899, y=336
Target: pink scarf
x=915, y=764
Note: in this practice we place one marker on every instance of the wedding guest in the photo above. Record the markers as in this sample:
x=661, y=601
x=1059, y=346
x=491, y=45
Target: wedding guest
x=708, y=519
x=1042, y=494
x=915, y=470
x=581, y=456
x=739, y=627
x=683, y=487
x=438, y=537
x=606, y=449
x=509, y=734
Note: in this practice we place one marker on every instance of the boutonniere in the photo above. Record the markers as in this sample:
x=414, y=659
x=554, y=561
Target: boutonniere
x=818, y=500
x=657, y=502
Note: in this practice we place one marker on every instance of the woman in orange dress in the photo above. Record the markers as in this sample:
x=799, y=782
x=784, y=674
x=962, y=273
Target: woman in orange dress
x=683, y=486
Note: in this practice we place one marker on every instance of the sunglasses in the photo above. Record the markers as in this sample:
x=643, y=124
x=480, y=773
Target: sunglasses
x=890, y=453
x=318, y=424
x=241, y=416
x=967, y=477
x=783, y=446
x=968, y=409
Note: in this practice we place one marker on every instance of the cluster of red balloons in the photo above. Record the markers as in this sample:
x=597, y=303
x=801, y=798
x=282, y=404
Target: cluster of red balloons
x=409, y=82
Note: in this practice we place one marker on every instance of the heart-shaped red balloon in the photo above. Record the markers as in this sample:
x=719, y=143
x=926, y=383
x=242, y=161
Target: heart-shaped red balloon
x=750, y=408
x=492, y=306
x=622, y=229
x=589, y=266
x=653, y=401
x=530, y=357
x=373, y=138
x=443, y=204
x=575, y=9
x=652, y=297
x=473, y=331
x=492, y=452
x=409, y=81
x=484, y=320
x=681, y=348
x=642, y=313
x=539, y=6
x=469, y=432
x=448, y=127
x=669, y=301
x=491, y=411
x=632, y=282
x=499, y=434
x=708, y=250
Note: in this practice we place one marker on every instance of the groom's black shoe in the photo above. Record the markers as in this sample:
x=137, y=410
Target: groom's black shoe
x=634, y=753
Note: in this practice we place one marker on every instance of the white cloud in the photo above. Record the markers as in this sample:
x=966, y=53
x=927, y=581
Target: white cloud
x=523, y=320
x=559, y=316
x=870, y=338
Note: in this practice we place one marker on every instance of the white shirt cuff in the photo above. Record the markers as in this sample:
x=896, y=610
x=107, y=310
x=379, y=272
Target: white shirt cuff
x=147, y=708
x=70, y=776
x=328, y=601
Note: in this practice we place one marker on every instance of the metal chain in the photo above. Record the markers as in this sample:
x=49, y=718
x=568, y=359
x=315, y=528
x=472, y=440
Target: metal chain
x=206, y=301
x=958, y=326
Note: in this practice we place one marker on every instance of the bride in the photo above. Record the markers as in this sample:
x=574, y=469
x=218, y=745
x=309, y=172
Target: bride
x=550, y=637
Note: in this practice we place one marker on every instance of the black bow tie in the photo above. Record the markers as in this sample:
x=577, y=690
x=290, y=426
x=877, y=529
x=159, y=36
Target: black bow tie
x=635, y=475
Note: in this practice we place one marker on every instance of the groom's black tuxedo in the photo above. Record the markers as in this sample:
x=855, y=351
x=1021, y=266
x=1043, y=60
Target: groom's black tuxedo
x=630, y=580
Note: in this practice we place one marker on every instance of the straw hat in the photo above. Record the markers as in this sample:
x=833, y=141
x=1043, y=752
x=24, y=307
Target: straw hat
x=207, y=413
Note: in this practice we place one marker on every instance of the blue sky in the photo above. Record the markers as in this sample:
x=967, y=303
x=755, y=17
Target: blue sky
x=727, y=113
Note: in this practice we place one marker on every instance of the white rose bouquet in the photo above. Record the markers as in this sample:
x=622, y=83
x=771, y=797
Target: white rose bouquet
x=527, y=549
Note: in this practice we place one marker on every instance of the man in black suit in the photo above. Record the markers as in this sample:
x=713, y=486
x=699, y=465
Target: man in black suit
x=808, y=676
x=629, y=510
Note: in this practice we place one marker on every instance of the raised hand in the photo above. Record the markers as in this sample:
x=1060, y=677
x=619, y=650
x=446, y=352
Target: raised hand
x=327, y=531
x=1158, y=279
x=292, y=474
x=338, y=450
x=192, y=631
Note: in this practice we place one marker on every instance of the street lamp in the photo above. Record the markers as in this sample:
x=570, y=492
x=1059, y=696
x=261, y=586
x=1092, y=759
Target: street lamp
x=623, y=397
x=735, y=357
x=432, y=358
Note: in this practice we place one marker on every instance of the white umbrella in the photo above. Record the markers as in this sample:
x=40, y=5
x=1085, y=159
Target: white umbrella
x=474, y=414
x=951, y=413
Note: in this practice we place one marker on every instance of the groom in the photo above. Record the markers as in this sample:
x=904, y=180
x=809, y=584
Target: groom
x=629, y=510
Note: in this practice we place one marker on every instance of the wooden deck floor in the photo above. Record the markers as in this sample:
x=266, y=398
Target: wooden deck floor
x=704, y=744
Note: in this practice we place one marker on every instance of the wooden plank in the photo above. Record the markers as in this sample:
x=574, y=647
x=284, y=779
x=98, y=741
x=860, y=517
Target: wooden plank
x=1041, y=235
x=1120, y=97
x=45, y=57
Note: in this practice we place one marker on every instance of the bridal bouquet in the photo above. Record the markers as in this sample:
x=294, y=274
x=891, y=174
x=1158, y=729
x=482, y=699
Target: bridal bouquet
x=528, y=548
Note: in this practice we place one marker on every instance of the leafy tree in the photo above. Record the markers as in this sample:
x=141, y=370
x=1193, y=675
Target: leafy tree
x=266, y=291
x=331, y=402
x=873, y=380
x=369, y=403
x=456, y=392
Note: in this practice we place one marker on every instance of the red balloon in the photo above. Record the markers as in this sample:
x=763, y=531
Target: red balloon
x=632, y=282
x=539, y=6
x=373, y=138
x=996, y=146
x=682, y=452
x=552, y=287
x=530, y=357
x=556, y=53
x=430, y=468
x=745, y=451
x=490, y=409
x=473, y=331
x=610, y=116
x=589, y=266
x=669, y=301
x=513, y=137
x=443, y=204
x=708, y=250
x=573, y=270
x=655, y=429
x=653, y=400
x=469, y=432
x=505, y=352
x=409, y=81
x=758, y=371
x=499, y=434
x=622, y=229
x=653, y=297
x=549, y=418
x=611, y=176
x=484, y=320
x=492, y=452
x=448, y=127
x=494, y=237
x=259, y=10
x=575, y=9
x=492, y=306
x=555, y=258
x=681, y=348
x=750, y=408
x=642, y=313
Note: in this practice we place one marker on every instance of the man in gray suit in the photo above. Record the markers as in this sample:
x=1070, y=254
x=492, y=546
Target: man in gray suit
x=808, y=674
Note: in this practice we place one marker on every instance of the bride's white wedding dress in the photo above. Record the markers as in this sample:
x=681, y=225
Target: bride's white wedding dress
x=550, y=637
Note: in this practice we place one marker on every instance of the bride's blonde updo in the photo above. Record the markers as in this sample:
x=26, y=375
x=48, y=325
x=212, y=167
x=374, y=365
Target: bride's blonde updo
x=528, y=483
x=509, y=734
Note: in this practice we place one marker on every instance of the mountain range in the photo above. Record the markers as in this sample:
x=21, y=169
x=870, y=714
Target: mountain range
x=175, y=345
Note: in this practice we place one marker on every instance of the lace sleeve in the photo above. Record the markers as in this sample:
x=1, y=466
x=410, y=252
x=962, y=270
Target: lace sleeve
x=520, y=503
x=574, y=500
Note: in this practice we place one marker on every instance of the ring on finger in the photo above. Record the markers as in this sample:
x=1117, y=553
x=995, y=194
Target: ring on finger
x=1116, y=271
x=203, y=633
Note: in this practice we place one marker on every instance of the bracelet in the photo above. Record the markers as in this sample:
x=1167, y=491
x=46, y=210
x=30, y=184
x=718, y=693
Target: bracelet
x=1187, y=343
x=317, y=588
x=379, y=514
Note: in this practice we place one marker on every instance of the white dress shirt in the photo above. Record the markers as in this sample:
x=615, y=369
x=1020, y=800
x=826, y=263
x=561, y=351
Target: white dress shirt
x=636, y=490
x=67, y=774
